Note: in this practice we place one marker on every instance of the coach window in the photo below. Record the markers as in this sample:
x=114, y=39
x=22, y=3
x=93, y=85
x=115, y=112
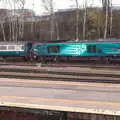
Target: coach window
x=11, y=47
x=53, y=49
x=19, y=47
x=22, y=47
x=3, y=47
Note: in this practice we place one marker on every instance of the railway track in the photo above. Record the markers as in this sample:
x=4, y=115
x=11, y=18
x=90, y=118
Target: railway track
x=60, y=74
x=82, y=63
x=70, y=64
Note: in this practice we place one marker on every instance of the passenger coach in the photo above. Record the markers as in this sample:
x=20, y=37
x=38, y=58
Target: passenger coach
x=15, y=49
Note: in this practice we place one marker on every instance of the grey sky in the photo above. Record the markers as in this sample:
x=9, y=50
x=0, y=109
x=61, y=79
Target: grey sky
x=62, y=4
x=58, y=4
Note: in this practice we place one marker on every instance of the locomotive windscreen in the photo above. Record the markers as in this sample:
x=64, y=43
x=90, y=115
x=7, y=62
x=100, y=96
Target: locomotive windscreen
x=53, y=49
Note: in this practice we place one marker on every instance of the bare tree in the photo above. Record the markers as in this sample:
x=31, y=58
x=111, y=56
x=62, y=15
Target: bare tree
x=57, y=27
x=111, y=19
x=10, y=20
x=77, y=20
x=106, y=4
x=48, y=5
x=21, y=19
x=107, y=9
x=32, y=24
x=106, y=20
x=15, y=22
x=5, y=2
x=3, y=31
x=51, y=19
x=16, y=2
x=84, y=20
x=2, y=23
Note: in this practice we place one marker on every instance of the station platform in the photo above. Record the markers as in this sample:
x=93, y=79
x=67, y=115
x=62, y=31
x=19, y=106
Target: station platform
x=97, y=98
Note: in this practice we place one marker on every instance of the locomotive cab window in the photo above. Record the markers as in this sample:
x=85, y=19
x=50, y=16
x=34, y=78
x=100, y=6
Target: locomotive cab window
x=93, y=49
x=53, y=49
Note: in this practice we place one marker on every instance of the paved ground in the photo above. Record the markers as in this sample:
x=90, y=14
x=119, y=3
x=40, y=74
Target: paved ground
x=59, y=95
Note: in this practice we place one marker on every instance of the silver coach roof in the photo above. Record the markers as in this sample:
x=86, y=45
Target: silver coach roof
x=13, y=43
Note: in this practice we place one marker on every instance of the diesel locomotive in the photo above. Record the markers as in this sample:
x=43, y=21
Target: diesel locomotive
x=56, y=51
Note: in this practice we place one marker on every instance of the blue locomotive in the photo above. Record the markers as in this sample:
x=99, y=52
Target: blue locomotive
x=85, y=49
